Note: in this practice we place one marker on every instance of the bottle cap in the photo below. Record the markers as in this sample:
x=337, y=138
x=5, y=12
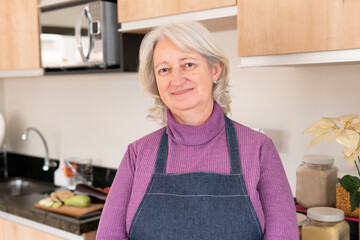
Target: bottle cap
x=318, y=159
x=300, y=218
x=325, y=214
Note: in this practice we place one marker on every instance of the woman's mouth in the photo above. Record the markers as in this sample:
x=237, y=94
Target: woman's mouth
x=182, y=91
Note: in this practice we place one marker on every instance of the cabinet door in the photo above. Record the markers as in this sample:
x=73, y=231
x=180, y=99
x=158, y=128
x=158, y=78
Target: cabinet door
x=16, y=231
x=2, y=231
x=293, y=26
x=19, y=35
x=130, y=10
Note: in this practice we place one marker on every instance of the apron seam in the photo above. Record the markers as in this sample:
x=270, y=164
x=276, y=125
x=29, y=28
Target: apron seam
x=254, y=216
x=138, y=214
x=251, y=206
x=203, y=195
x=176, y=174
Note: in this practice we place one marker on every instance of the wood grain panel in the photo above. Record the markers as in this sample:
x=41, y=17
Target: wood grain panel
x=130, y=10
x=90, y=235
x=19, y=35
x=292, y=26
x=2, y=234
x=16, y=231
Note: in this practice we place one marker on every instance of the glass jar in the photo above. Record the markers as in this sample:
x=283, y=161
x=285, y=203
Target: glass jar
x=300, y=219
x=343, y=196
x=316, y=180
x=324, y=223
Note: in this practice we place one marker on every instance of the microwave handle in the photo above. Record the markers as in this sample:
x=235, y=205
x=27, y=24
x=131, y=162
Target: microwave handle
x=87, y=14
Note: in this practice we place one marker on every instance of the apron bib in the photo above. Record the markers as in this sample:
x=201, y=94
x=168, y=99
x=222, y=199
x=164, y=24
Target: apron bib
x=196, y=205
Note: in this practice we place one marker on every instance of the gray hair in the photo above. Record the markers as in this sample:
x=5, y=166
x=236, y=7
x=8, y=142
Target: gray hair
x=188, y=36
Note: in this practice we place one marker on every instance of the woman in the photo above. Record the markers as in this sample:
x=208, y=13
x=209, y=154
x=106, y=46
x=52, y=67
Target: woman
x=202, y=176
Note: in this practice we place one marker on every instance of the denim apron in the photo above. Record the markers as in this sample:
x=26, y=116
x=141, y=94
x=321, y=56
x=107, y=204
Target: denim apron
x=196, y=205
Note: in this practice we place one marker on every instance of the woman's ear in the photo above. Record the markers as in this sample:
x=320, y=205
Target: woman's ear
x=216, y=70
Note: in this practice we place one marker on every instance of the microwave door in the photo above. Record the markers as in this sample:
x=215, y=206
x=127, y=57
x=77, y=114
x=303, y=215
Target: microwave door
x=59, y=43
x=84, y=46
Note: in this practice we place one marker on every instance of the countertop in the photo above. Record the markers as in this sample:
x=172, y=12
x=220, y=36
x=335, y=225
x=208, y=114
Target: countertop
x=23, y=206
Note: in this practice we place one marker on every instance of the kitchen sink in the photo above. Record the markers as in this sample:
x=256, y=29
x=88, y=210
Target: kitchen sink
x=23, y=186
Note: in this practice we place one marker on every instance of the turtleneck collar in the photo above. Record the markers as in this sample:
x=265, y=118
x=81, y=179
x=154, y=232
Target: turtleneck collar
x=195, y=135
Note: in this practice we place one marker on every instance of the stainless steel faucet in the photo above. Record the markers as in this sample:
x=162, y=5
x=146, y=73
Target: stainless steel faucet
x=47, y=162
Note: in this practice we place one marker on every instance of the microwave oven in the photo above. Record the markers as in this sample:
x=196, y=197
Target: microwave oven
x=83, y=35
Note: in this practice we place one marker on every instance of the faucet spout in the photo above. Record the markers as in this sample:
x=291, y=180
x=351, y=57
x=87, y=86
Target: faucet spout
x=47, y=162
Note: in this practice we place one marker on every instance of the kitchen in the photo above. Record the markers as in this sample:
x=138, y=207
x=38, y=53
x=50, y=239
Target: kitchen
x=91, y=115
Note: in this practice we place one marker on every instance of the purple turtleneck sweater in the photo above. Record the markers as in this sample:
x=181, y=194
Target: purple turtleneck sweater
x=203, y=148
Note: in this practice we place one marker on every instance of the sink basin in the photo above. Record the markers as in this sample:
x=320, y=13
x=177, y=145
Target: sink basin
x=22, y=186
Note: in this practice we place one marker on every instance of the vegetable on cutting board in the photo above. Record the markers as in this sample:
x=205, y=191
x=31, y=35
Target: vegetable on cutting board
x=78, y=201
x=65, y=197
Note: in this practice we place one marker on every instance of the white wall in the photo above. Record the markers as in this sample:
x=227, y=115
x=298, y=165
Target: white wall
x=99, y=115
x=93, y=116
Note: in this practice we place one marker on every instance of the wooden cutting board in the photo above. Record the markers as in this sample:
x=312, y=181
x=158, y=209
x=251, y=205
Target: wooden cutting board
x=71, y=210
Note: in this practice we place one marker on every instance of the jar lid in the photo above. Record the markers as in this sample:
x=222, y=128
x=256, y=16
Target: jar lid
x=326, y=214
x=318, y=159
x=300, y=218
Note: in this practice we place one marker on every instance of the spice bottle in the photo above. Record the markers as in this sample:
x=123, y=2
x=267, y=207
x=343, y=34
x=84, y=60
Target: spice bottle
x=324, y=223
x=343, y=196
x=316, y=180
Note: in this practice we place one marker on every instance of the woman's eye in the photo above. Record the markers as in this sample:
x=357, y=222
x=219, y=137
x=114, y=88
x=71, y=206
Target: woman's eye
x=188, y=66
x=163, y=70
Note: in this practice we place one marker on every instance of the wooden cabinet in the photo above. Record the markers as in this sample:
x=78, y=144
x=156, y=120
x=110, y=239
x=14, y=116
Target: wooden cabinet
x=2, y=232
x=19, y=35
x=293, y=26
x=15, y=231
x=130, y=10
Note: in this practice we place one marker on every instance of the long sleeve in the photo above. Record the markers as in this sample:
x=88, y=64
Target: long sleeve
x=276, y=197
x=113, y=218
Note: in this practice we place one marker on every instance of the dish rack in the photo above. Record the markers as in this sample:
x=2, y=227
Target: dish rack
x=3, y=162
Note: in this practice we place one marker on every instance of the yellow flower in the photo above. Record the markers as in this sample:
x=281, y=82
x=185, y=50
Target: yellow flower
x=346, y=131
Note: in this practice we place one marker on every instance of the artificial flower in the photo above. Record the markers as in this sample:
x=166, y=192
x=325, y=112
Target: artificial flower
x=344, y=129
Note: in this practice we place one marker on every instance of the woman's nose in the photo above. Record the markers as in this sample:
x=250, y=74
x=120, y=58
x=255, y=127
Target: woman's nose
x=178, y=77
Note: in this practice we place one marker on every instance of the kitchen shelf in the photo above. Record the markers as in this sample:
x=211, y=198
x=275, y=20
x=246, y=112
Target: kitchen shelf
x=51, y=3
x=324, y=57
x=218, y=19
x=21, y=73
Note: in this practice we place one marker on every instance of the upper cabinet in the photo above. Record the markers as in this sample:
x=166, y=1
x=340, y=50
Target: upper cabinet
x=297, y=26
x=130, y=10
x=19, y=35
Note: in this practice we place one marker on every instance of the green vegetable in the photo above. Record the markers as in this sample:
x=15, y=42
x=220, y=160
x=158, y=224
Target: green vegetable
x=56, y=204
x=46, y=202
x=78, y=201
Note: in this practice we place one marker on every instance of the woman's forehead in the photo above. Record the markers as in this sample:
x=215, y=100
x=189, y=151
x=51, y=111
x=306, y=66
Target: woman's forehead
x=166, y=48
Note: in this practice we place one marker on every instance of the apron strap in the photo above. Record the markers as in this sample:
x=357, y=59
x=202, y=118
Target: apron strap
x=233, y=148
x=162, y=154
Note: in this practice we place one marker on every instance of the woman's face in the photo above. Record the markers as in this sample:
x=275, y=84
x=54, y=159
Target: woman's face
x=184, y=79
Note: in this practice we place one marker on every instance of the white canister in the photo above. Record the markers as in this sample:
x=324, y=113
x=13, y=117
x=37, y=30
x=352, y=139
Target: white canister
x=316, y=180
x=324, y=223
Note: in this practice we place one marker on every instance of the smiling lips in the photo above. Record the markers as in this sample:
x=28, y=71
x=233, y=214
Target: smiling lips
x=182, y=91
